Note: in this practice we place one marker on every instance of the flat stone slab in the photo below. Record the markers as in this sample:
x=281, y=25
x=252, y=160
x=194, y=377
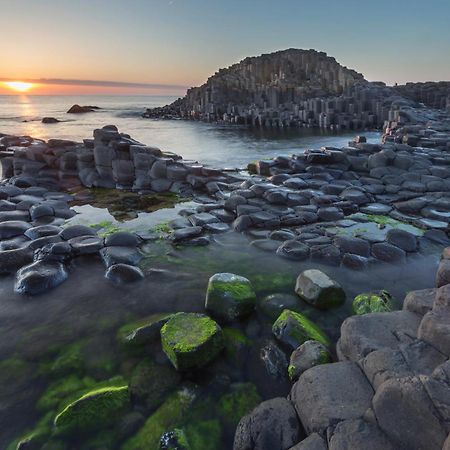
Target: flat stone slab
x=361, y=335
x=329, y=393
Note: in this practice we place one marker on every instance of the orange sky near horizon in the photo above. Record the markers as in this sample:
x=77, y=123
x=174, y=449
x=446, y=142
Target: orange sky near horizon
x=60, y=89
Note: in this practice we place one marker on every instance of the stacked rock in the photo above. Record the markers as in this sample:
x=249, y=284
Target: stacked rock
x=390, y=388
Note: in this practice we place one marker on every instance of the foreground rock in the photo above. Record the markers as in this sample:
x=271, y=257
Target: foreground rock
x=230, y=297
x=309, y=354
x=191, y=340
x=272, y=425
x=318, y=289
x=77, y=109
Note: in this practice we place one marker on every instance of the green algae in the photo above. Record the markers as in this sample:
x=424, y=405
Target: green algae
x=204, y=435
x=171, y=414
x=232, y=406
x=273, y=282
x=151, y=383
x=372, y=302
x=66, y=390
x=95, y=410
x=191, y=340
x=294, y=329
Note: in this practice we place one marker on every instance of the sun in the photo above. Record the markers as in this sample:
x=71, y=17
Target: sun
x=19, y=86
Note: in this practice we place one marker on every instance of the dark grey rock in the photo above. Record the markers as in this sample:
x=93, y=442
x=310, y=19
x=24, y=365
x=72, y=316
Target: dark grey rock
x=330, y=393
x=293, y=249
x=274, y=304
x=326, y=254
x=329, y=214
x=358, y=434
x=420, y=302
x=363, y=334
x=402, y=239
x=122, y=239
x=313, y=442
x=352, y=245
x=39, y=277
x=442, y=275
x=13, y=228
x=319, y=290
x=275, y=360
x=186, y=233
x=86, y=245
x=120, y=255
x=387, y=252
x=41, y=231
x=271, y=425
x=124, y=273
x=355, y=262
x=309, y=354
x=407, y=416
x=76, y=230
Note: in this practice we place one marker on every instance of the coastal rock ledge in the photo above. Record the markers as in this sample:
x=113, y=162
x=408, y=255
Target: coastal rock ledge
x=389, y=389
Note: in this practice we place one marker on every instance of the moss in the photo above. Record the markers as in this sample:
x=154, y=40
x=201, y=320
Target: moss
x=162, y=228
x=171, y=414
x=150, y=383
x=294, y=329
x=236, y=345
x=371, y=302
x=68, y=360
x=241, y=399
x=291, y=371
x=191, y=340
x=36, y=437
x=14, y=370
x=66, y=390
x=204, y=435
x=93, y=411
x=174, y=440
x=273, y=282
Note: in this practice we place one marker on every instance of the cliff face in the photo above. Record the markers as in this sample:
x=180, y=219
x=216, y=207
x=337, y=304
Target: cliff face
x=433, y=94
x=270, y=80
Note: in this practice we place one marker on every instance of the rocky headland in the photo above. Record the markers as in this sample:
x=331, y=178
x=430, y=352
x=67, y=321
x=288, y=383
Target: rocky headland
x=384, y=384
x=299, y=88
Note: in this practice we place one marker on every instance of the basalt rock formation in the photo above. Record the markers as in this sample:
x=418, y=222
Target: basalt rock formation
x=287, y=88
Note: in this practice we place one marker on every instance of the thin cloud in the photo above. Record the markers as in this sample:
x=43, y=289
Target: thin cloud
x=99, y=83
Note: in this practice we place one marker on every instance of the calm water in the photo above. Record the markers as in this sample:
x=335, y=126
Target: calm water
x=220, y=146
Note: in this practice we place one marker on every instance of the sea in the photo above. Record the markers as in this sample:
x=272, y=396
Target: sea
x=222, y=146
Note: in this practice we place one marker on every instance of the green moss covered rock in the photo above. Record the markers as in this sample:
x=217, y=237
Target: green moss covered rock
x=93, y=411
x=236, y=403
x=191, y=340
x=171, y=414
x=150, y=383
x=230, y=297
x=372, y=302
x=293, y=329
x=68, y=389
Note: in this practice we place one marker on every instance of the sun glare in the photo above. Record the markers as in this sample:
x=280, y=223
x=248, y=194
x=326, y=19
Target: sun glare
x=18, y=86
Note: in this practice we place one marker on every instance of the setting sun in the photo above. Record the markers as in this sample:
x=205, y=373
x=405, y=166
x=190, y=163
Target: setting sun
x=19, y=86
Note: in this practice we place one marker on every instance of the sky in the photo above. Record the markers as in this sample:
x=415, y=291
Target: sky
x=164, y=46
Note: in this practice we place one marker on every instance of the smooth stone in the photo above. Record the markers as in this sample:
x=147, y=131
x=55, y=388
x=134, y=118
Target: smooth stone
x=293, y=249
x=14, y=216
x=86, y=245
x=186, y=233
x=124, y=273
x=12, y=260
x=39, y=277
x=376, y=208
x=267, y=245
x=38, y=211
x=319, y=290
x=420, y=302
x=120, y=255
x=74, y=231
x=122, y=239
x=14, y=243
x=218, y=227
x=42, y=231
x=387, y=252
x=13, y=228
x=352, y=245
x=402, y=239
x=313, y=442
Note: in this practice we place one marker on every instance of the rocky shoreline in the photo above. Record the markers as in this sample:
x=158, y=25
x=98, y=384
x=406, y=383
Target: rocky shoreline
x=356, y=207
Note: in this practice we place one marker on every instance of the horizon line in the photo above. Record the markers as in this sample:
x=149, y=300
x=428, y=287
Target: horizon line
x=99, y=83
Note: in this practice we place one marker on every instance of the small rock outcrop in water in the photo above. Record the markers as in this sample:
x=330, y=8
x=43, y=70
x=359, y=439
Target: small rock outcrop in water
x=77, y=109
x=49, y=120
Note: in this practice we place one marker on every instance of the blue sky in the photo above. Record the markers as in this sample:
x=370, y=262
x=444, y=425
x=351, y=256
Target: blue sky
x=182, y=42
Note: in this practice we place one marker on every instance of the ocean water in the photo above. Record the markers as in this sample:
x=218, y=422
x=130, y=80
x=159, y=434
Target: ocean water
x=216, y=145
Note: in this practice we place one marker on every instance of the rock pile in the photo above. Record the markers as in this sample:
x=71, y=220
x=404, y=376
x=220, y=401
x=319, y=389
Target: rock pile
x=390, y=388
